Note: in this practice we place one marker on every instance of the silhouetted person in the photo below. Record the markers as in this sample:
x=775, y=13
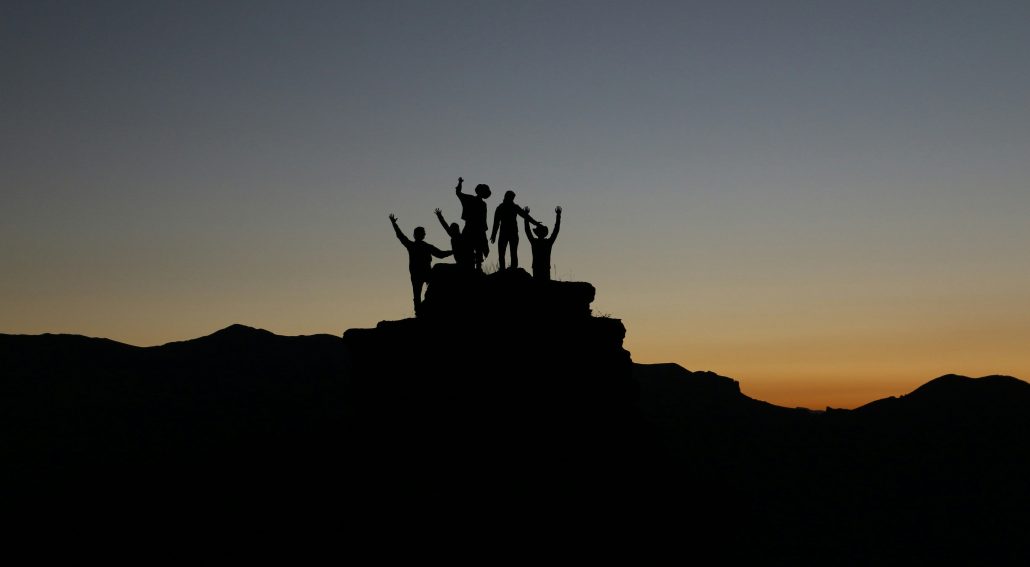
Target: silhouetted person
x=462, y=252
x=420, y=260
x=505, y=221
x=541, y=245
x=473, y=212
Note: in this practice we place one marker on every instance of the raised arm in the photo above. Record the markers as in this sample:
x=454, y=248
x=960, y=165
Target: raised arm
x=525, y=219
x=397, y=230
x=524, y=213
x=457, y=190
x=557, y=223
x=443, y=223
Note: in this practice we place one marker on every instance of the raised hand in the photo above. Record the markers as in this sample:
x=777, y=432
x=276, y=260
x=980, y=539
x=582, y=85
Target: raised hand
x=526, y=209
x=557, y=211
x=393, y=217
x=437, y=211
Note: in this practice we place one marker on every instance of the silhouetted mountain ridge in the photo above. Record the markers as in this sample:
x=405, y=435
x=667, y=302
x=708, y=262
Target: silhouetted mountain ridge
x=956, y=388
x=506, y=397
x=952, y=391
x=236, y=333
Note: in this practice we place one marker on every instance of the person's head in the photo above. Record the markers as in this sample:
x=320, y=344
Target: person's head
x=483, y=191
x=509, y=196
x=420, y=233
x=540, y=231
x=455, y=229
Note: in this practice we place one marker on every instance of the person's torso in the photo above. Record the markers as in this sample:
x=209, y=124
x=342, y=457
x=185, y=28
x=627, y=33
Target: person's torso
x=420, y=256
x=473, y=211
x=541, y=251
x=506, y=213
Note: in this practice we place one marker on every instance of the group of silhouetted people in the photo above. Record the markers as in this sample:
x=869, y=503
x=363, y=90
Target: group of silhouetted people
x=469, y=244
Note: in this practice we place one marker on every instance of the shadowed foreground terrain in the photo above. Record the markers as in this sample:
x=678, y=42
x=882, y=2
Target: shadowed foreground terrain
x=507, y=409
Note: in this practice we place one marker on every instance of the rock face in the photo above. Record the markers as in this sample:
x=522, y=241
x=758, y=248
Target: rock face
x=465, y=295
x=500, y=372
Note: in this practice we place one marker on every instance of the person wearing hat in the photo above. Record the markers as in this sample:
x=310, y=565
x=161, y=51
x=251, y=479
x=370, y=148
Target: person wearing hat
x=473, y=212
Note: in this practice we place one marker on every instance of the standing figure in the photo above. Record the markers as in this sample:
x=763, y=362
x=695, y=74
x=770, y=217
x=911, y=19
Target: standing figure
x=473, y=212
x=420, y=259
x=542, y=246
x=504, y=219
x=462, y=253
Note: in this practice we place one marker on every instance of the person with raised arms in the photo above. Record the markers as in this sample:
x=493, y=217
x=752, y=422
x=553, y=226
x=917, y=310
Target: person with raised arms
x=542, y=245
x=473, y=212
x=420, y=258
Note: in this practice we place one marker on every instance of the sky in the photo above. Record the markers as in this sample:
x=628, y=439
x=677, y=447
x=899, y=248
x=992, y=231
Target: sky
x=826, y=201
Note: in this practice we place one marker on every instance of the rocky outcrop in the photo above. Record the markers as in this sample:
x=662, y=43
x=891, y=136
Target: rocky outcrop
x=457, y=294
x=500, y=371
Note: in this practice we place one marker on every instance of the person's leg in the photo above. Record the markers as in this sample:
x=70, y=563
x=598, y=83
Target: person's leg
x=514, y=242
x=484, y=250
x=416, y=292
x=475, y=255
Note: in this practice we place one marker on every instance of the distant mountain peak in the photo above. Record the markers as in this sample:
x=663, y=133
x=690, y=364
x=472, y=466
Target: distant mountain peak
x=955, y=384
x=233, y=334
x=237, y=329
x=957, y=391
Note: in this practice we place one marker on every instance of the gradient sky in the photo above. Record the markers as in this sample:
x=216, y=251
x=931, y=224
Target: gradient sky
x=827, y=201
